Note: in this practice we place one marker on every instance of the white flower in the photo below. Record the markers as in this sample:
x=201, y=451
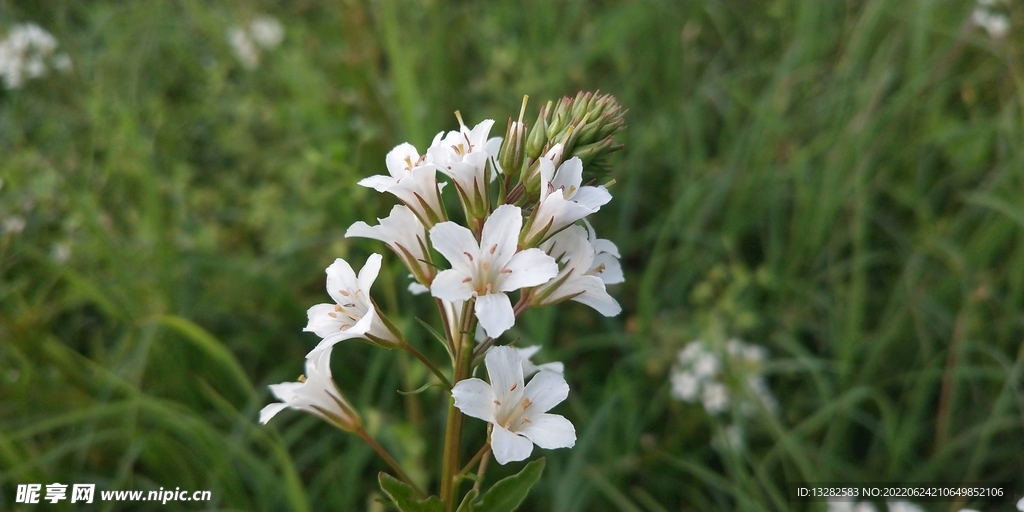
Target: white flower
x=685, y=386
x=903, y=506
x=715, y=397
x=490, y=268
x=576, y=280
x=315, y=393
x=563, y=200
x=968, y=510
x=245, y=49
x=266, y=31
x=706, y=365
x=529, y=368
x=403, y=233
x=463, y=157
x=23, y=53
x=997, y=25
x=606, y=258
x=353, y=315
x=413, y=181
x=13, y=224
x=518, y=413
x=1020, y=505
x=843, y=505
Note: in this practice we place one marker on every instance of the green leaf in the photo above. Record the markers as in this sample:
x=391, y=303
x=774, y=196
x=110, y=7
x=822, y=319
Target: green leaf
x=404, y=497
x=437, y=336
x=418, y=390
x=467, y=502
x=508, y=493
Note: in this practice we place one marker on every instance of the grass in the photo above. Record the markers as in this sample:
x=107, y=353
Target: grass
x=838, y=182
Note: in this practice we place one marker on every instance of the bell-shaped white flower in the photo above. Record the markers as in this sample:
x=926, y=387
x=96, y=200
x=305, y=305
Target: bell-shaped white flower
x=563, y=200
x=315, y=393
x=576, y=280
x=353, y=314
x=606, y=258
x=519, y=413
x=529, y=368
x=489, y=268
x=404, y=234
x=413, y=181
x=463, y=157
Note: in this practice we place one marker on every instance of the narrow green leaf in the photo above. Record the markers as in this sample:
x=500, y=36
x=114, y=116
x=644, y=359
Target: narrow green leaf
x=418, y=390
x=210, y=345
x=438, y=337
x=404, y=497
x=467, y=502
x=508, y=493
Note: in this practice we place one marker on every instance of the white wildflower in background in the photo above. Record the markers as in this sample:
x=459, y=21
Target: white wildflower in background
x=717, y=377
x=904, y=506
x=996, y=24
x=266, y=31
x=25, y=52
x=353, y=315
x=851, y=506
x=518, y=413
x=13, y=224
x=262, y=32
x=1020, y=505
x=314, y=393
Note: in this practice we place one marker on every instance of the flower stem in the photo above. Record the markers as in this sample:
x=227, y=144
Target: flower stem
x=362, y=433
x=482, y=469
x=486, y=448
x=430, y=364
x=453, y=425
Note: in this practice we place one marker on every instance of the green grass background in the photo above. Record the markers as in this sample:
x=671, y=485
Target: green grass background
x=840, y=182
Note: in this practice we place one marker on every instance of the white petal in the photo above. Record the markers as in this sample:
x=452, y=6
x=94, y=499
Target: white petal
x=270, y=411
x=508, y=447
x=368, y=274
x=552, y=367
x=340, y=276
x=501, y=232
x=453, y=242
x=379, y=183
x=417, y=288
x=550, y=431
x=596, y=296
x=527, y=352
x=612, y=272
x=505, y=370
x=545, y=390
x=494, y=311
x=475, y=398
x=569, y=176
x=320, y=321
x=452, y=285
x=592, y=197
x=528, y=268
x=396, y=159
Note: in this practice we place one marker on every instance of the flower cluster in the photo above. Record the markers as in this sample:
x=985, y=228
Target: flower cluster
x=701, y=370
x=262, y=32
x=996, y=24
x=28, y=52
x=512, y=247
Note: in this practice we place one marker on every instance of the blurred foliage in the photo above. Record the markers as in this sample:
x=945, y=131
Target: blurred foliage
x=839, y=182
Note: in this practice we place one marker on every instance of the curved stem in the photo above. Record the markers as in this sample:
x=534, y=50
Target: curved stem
x=486, y=448
x=430, y=364
x=482, y=469
x=362, y=433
